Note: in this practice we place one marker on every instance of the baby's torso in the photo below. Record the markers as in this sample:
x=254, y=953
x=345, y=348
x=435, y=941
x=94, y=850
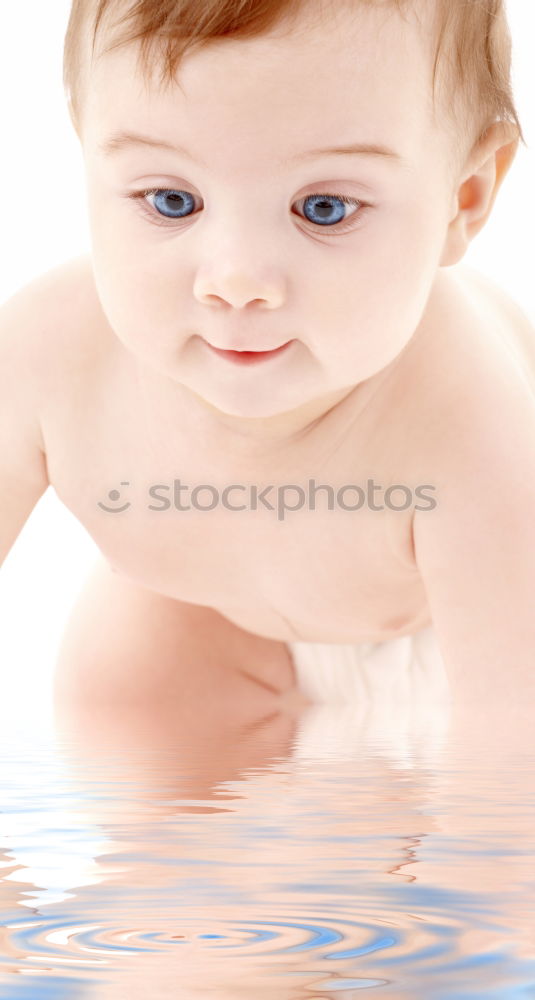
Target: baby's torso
x=343, y=572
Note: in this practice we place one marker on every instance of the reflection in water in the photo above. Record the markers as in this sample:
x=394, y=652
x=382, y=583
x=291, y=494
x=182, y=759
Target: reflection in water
x=145, y=854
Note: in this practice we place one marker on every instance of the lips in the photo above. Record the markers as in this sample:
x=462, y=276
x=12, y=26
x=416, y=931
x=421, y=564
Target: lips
x=249, y=357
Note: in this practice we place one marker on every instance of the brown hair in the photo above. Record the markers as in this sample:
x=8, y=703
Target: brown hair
x=473, y=45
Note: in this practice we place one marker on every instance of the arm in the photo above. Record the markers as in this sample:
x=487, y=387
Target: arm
x=476, y=552
x=23, y=472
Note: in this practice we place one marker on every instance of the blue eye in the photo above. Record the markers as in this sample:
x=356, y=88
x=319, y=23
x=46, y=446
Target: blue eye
x=327, y=210
x=321, y=211
x=176, y=203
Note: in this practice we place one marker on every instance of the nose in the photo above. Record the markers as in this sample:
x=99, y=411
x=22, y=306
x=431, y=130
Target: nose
x=239, y=277
x=225, y=287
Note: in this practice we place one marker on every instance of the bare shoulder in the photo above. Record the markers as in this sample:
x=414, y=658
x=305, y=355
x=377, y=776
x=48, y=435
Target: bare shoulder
x=55, y=340
x=483, y=285
x=475, y=552
x=55, y=316
x=52, y=289
x=500, y=314
x=473, y=331
x=57, y=357
x=502, y=345
x=468, y=380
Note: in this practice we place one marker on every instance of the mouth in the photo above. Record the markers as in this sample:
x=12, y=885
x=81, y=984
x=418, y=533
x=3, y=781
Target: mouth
x=249, y=357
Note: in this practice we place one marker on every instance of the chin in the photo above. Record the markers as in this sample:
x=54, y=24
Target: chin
x=255, y=409
x=245, y=408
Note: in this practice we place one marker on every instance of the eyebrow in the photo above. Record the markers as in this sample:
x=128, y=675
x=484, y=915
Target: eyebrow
x=118, y=142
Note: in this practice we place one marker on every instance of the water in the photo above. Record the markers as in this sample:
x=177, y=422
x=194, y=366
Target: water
x=279, y=861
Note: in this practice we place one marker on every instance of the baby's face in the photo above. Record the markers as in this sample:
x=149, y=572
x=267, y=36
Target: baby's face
x=241, y=247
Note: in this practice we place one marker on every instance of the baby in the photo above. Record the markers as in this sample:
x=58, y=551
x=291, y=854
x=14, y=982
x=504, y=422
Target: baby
x=299, y=431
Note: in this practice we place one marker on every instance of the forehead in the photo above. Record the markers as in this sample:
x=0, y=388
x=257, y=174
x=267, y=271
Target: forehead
x=331, y=74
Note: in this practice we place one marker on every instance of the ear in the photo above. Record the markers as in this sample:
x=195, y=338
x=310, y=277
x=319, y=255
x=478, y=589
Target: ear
x=481, y=179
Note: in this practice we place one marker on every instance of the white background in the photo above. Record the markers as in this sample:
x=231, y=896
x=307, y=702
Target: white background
x=43, y=222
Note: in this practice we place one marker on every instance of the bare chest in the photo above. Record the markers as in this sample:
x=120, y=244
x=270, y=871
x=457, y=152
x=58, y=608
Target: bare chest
x=314, y=549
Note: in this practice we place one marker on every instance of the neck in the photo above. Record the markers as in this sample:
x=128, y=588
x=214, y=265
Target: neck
x=260, y=435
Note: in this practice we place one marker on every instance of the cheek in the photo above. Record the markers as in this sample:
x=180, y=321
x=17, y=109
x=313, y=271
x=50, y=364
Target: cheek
x=376, y=296
x=382, y=275
x=130, y=308
x=404, y=258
